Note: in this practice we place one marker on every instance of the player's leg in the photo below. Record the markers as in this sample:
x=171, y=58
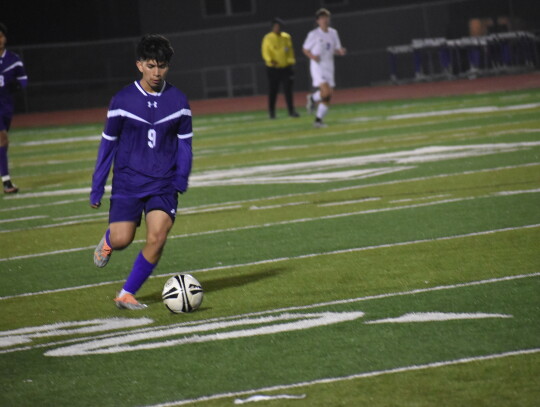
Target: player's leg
x=288, y=84
x=273, y=89
x=9, y=188
x=160, y=212
x=314, y=98
x=124, y=217
x=322, y=108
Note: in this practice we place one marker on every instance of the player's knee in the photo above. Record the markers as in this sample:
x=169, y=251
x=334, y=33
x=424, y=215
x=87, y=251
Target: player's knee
x=326, y=99
x=156, y=240
x=120, y=241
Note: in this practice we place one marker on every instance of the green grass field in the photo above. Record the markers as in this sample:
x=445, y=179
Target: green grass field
x=391, y=259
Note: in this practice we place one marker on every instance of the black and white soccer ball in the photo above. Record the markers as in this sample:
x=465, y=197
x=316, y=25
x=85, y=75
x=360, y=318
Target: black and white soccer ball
x=182, y=293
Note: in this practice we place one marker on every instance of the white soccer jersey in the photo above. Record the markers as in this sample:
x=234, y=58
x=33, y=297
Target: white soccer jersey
x=323, y=44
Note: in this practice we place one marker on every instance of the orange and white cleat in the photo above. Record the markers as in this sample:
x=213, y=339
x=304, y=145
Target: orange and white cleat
x=102, y=254
x=128, y=301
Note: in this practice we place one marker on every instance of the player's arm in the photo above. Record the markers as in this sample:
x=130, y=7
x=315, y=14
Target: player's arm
x=22, y=78
x=309, y=44
x=291, y=60
x=266, y=53
x=184, y=156
x=106, y=152
x=105, y=157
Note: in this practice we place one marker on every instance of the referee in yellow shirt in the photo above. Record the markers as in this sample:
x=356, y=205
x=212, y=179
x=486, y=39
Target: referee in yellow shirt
x=278, y=54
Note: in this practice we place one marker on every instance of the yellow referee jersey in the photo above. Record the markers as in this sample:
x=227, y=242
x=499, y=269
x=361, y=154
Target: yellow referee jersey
x=277, y=48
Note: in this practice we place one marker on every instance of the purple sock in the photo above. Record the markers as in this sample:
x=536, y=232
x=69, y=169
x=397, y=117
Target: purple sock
x=108, y=237
x=142, y=269
x=3, y=161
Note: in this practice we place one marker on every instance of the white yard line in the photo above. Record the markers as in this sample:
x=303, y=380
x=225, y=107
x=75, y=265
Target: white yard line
x=362, y=375
x=279, y=259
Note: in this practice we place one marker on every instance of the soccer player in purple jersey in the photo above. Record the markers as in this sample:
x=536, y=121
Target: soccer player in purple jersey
x=148, y=136
x=12, y=78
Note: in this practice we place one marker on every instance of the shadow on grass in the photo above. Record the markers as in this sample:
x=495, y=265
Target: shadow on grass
x=224, y=283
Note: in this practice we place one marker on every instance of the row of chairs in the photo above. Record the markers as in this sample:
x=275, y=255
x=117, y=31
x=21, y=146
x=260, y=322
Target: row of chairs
x=441, y=58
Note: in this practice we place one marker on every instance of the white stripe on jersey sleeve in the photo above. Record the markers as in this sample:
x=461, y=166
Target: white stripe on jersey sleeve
x=185, y=136
x=183, y=112
x=106, y=137
x=124, y=113
x=9, y=68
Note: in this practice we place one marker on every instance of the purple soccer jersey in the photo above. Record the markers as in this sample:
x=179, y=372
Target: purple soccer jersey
x=148, y=136
x=12, y=75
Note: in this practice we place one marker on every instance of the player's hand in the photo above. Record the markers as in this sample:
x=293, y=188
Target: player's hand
x=316, y=58
x=95, y=205
x=342, y=51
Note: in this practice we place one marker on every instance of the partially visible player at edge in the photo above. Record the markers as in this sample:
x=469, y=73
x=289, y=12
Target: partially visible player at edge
x=320, y=46
x=148, y=136
x=12, y=78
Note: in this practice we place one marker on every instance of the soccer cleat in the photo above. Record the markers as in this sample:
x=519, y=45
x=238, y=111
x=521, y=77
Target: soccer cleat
x=9, y=188
x=128, y=301
x=318, y=124
x=102, y=254
x=310, y=104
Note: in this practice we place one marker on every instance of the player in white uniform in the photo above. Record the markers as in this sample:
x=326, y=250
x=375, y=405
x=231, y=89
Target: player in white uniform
x=320, y=46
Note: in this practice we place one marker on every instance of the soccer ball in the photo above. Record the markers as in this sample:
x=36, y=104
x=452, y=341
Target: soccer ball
x=182, y=293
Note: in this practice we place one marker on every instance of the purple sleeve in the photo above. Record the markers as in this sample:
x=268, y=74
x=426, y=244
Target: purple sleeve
x=184, y=159
x=106, y=152
x=184, y=155
x=21, y=76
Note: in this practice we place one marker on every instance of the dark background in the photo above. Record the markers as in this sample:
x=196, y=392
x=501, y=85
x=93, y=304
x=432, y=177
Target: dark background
x=78, y=53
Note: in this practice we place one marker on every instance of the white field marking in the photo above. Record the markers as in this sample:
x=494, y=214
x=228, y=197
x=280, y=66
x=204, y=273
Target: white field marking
x=53, y=225
x=186, y=211
x=355, y=201
x=513, y=131
x=518, y=192
x=195, y=334
x=142, y=331
x=25, y=335
x=227, y=230
x=435, y=317
x=469, y=110
x=425, y=198
x=23, y=219
x=34, y=163
x=325, y=135
x=267, y=397
x=312, y=193
x=279, y=259
x=89, y=215
x=378, y=184
x=357, y=376
x=248, y=227
x=327, y=170
x=108, y=188
x=58, y=192
x=41, y=205
x=258, y=208
x=58, y=141
x=59, y=172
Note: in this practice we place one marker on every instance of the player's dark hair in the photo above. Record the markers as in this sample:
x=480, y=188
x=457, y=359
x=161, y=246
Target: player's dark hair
x=154, y=47
x=3, y=28
x=322, y=12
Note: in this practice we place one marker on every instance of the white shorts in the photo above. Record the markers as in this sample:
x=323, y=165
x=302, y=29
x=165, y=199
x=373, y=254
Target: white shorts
x=321, y=74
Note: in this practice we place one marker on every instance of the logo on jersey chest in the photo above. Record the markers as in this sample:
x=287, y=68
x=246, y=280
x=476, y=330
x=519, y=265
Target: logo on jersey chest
x=152, y=104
